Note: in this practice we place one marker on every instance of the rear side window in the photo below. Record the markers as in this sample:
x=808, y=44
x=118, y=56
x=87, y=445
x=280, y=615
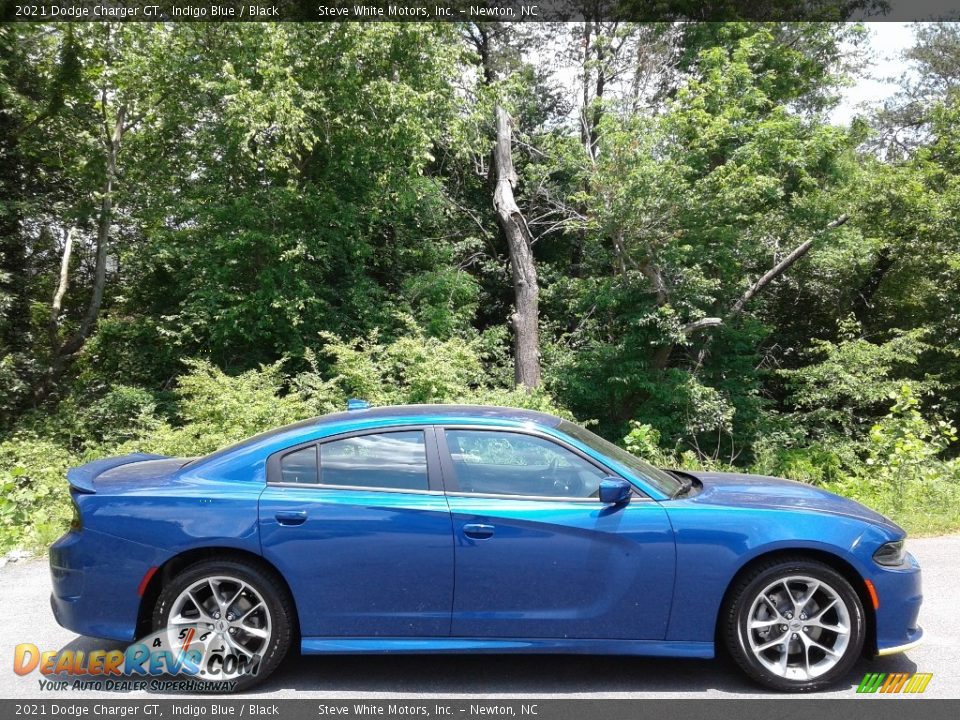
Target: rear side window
x=391, y=461
x=299, y=466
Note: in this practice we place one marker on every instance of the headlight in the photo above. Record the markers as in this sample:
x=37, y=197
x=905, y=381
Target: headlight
x=890, y=554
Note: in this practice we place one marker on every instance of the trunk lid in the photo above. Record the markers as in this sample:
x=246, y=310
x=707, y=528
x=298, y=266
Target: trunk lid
x=82, y=479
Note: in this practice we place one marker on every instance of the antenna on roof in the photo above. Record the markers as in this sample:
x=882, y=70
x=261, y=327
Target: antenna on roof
x=357, y=404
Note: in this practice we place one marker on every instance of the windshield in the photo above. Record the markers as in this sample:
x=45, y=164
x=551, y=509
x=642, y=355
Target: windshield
x=663, y=481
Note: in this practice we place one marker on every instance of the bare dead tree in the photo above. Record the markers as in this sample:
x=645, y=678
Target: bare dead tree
x=526, y=315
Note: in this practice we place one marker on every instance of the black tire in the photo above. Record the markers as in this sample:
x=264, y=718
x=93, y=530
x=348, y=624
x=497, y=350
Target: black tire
x=736, y=616
x=270, y=588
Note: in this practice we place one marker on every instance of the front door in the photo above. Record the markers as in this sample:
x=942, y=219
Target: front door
x=361, y=530
x=538, y=556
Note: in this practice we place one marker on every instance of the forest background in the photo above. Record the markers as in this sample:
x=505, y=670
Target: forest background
x=657, y=229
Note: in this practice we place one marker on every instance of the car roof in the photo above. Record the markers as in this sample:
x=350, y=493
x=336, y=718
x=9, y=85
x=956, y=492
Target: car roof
x=477, y=412
x=306, y=430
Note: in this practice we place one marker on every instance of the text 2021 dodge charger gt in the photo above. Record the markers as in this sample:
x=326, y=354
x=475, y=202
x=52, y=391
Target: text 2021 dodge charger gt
x=444, y=528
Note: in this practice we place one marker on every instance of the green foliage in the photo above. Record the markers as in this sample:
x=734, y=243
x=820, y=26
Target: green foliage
x=412, y=368
x=905, y=474
x=123, y=412
x=302, y=213
x=34, y=503
x=845, y=382
x=211, y=409
x=214, y=409
x=643, y=440
x=905, y=450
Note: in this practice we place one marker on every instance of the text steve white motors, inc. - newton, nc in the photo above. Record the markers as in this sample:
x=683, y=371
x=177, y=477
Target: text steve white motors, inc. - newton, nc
x=435, y=11
x=400, y=709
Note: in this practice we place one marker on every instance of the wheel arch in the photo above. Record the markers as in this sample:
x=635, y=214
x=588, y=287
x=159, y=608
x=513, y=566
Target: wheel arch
x=173, y=566
x=832, y=560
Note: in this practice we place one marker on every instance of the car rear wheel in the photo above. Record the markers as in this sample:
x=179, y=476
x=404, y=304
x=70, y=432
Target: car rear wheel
x=231, y=609
x=794, y=625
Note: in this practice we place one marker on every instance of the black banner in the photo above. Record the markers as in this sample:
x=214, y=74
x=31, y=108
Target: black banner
x=472, y=11
x=874, y=708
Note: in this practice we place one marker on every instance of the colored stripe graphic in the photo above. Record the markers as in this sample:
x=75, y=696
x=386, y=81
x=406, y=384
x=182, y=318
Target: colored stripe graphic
x=894, y=683
x=871, y=682
x=919, y=683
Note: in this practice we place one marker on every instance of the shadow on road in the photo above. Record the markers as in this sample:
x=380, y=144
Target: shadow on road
x=529, y=674
x=462, y=675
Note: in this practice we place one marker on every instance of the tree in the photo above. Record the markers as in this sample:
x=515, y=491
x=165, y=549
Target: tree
x=526, y=317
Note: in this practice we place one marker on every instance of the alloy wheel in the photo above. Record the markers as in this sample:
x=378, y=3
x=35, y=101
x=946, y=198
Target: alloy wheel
x=798, y=628
x=227, y=609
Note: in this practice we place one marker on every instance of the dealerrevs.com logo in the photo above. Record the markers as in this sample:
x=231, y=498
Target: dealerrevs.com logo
x=175, y=659
x=889, y=683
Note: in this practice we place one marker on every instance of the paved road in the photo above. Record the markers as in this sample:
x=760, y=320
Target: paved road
x=25, y=617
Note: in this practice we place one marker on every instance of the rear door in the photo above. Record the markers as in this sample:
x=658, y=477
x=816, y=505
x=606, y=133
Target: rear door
x=359, y=526
x=538, y=556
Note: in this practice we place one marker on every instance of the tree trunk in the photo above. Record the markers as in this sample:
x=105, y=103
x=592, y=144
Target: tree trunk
x=76, y=342
x=62, y=353
x=525, y=319
x=55, y=307
x=779, y=269
x=864, y=297
x=661, y=358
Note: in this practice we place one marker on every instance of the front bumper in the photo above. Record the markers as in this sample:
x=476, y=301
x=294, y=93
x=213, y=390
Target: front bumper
x=900, y=596
x=905, y=647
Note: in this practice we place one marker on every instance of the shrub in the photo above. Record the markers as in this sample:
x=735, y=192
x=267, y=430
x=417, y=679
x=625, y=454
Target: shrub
x=34, y=503
x=643, y=440
x=904, y=474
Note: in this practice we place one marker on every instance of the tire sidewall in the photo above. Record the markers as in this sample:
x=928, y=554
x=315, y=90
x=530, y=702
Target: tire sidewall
x=267, y=586
x=740, y=646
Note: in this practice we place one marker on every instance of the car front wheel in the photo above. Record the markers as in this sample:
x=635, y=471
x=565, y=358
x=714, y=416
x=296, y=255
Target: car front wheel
x=238, y=613
x=794, y=625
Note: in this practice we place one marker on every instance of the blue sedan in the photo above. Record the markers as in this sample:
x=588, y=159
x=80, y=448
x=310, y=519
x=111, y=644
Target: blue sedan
x=463, y=529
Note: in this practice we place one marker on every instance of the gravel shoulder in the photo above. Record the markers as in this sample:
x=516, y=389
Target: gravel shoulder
x=26, y=617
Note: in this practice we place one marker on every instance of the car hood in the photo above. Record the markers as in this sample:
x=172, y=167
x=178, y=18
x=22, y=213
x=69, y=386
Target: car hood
x=759, y=491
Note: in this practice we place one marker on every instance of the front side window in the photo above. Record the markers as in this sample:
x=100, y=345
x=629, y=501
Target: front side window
x=497, y=462
x=661, y=479
x=393, y=460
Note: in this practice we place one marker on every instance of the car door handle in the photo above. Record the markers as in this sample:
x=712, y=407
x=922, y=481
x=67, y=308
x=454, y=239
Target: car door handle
x=478, y=532
x=291, y=517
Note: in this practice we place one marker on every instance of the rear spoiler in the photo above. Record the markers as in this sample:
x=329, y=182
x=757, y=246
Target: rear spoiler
x=81, y=478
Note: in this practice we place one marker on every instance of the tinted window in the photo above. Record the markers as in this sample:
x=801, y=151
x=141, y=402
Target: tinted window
x=299, y=466
x=505, y=463
x=661, y=479
x=396, y=460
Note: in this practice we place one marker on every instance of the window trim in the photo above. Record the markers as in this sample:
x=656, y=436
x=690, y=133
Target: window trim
x=452, y=486
x=434, y=481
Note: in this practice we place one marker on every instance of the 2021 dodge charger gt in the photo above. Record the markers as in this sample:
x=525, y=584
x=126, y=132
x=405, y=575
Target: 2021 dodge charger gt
x=445, y=528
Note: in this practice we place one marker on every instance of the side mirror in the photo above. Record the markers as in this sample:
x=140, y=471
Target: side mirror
x=615, y=491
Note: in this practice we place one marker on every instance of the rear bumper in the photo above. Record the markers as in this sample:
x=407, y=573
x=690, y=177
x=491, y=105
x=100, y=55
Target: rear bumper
x=95, y=580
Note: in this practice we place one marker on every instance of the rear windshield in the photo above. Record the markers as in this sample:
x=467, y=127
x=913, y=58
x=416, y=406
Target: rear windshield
x=250, y=441
x=663, y=481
